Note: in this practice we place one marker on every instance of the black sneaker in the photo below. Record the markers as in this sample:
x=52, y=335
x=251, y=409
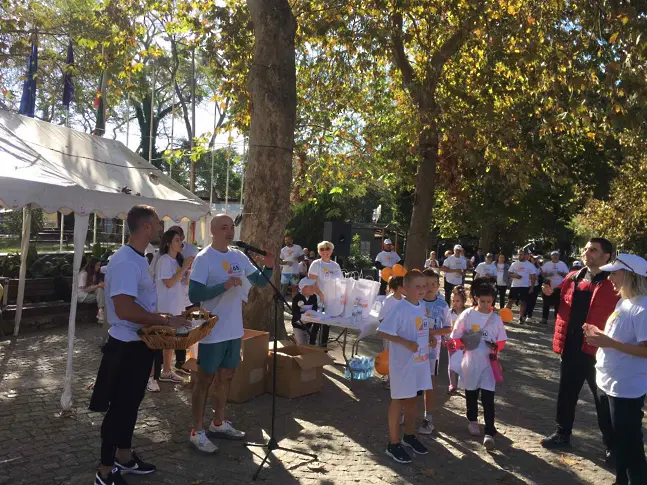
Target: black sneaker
x=556, y=440
x=397, y=452
x=114, y=478
x=135, y=466
x=414, y=443
x=610, y=458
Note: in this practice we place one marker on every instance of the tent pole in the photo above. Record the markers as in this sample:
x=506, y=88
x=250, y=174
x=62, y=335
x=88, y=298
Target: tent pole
x=24, y=250
x=151, y=119
x=123, y=232
x=60, y=244
x=80, y=232
x=227, y=179
x=94, y=234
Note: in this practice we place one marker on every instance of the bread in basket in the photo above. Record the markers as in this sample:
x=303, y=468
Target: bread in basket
x=159, y=337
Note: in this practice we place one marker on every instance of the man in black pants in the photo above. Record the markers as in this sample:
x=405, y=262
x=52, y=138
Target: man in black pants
x=587, y=296
x=126, y=363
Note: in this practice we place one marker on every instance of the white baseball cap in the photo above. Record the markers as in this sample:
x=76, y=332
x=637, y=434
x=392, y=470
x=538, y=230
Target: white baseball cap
x=628, y=262
x=553, y=253
x=388, y=241
x=306, y=282
x=458, y=247
x=577, y=264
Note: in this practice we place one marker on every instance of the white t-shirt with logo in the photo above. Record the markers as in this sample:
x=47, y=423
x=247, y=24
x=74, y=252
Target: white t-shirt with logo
x=437, y=312
x=619, y=374
x=552, y=270
x=523, y=269
x=388, y=258
x=169, y=300
x=452, y=262
x=389, y=302
x=325, y=271
x=212, y=267
x=291, y=254
x=128, y=274
x=485, y=269
x=409, y=371
x=500, y=274
x=476, y=367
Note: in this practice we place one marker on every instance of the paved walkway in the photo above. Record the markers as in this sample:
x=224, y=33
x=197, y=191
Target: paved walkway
x=344, y=424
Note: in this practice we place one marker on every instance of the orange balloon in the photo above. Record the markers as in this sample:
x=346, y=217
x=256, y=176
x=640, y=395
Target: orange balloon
x=382, y=363
x=387, y=273
x=506, y=315
x=398, y=270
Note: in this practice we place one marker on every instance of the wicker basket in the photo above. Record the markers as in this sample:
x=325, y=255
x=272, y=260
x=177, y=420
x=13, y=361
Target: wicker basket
x=158, y=337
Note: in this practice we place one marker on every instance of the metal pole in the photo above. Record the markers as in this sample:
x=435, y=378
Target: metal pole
x=60, y=243
x=94, y=234
x=213, y=149
x=227, y=178
x=170, y=170
x=192, y=135
x=151, y=120
x=127, y=118
x=123, y=232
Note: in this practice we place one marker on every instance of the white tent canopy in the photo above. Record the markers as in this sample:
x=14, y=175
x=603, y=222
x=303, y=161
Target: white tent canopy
x=60, y=169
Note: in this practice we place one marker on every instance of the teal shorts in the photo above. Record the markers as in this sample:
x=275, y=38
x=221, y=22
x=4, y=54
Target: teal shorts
x=221, y=355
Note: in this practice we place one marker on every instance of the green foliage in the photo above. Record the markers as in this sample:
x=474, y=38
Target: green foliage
x=357, y=258
x=45, y=266
x=13, y=222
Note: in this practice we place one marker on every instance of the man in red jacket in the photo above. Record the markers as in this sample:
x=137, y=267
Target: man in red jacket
x=587, y=296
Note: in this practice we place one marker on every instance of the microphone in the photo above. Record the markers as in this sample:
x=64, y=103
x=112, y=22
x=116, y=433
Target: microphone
x=247, y=247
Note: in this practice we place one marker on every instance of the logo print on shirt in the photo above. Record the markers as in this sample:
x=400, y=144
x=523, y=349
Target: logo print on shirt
x=419, y=324
x=612, y=319
x=227, y=267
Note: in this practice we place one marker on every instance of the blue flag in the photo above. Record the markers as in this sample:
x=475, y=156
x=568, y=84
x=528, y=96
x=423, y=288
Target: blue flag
x=28, y=99
x=68, y=82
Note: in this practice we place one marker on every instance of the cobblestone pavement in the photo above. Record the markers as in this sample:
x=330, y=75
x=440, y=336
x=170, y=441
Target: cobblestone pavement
x=345, y=424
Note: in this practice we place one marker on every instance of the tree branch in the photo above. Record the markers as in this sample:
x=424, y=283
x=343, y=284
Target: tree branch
x=409, y=79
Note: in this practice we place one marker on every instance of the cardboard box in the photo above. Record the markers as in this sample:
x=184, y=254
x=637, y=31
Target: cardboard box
x=250, y=377
x=299, y=369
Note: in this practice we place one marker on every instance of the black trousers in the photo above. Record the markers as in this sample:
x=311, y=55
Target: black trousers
x=487, y=401
x=626, y=421
x=325, y=332
x=448, y=293
x=383, y=285
x=576, y=368
x=123, y=374
x=551, y=301
x=158, y=359
x=532, y=301
x=501, y=290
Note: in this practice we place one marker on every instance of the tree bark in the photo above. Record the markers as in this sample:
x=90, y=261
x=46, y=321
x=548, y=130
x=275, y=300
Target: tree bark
x=272, y=86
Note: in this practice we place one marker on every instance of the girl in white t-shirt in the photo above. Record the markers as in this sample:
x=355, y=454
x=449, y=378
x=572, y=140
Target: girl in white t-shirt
x=170, y=269
x=621, y=368
x=91, y=288
x=321, y=270
x=477, y=374
x=396, y=293
x=459, y=300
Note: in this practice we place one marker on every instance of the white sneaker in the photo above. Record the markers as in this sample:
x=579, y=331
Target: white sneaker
x=529, y=320
x=171, y=376
x=426, y=427
x=226, y=430
x=152, y=385
x=473, y=428
x=488, y=442
x=101, y=315
x=202, y=443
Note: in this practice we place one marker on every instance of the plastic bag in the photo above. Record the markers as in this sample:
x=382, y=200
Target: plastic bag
x=455, y=362
x=334, y=296
x=363, y=291
x=497, y=370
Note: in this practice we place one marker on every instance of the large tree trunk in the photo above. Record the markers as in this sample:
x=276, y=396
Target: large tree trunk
x=272, y=85
x=423, y=202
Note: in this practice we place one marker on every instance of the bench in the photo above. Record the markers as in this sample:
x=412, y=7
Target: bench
x=46, y=303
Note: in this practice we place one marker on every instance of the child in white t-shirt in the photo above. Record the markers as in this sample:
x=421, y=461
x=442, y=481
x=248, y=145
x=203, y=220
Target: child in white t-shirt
x=477, y=374
x=407, y=330
x=459, y=299
x=396, y=293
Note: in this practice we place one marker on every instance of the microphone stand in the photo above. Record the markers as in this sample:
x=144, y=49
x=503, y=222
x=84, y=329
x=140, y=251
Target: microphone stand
x=272, y=444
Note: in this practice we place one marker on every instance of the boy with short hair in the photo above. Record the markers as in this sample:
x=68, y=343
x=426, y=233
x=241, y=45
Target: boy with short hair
x=440, y=324
x=304, y=300
x=407, y=330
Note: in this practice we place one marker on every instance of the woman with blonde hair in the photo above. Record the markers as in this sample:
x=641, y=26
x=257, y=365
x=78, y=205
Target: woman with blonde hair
x=320, y=270
x=621, y=368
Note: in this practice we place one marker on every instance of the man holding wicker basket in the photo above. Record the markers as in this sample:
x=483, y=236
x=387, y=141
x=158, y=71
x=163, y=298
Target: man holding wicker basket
x=131, y=300
x=220, y=279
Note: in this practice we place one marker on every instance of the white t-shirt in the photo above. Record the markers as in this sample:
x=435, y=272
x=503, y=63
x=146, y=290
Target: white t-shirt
x=437, y=312
x=551, y=272
x=500, y=274
x=484, y=269
x=389, y=302
x=523, y=269
x=302, y=268
x=476, y=367
x=291, y=254
x=128, y=274
x=409, y=371
x=388, y=258
x=325, y=271
x=452, y=262
x=211, y=268
x=619, y=374
x=537, y=275
x=169, y=300
x=82, y=281
x=428, y=263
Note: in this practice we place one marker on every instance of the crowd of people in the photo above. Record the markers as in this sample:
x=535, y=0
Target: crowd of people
x=600, y=332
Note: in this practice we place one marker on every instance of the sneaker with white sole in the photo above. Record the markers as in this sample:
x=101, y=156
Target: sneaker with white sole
x=398, y=453
x=473, y=428
x=135, y=466
x=171, y=376
x=426, y=427
x=488, y=442
x=152, y=385
x=414, y=443
x=101, y=316
x=113, y=478
x=201, y=442
x=226, y=430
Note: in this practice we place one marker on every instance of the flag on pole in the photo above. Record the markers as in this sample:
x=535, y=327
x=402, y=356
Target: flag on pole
x=28, y=99
x=100, y=107
x=68, y=82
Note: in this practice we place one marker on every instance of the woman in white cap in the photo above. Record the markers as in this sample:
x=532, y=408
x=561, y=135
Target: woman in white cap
x=621, y=369
x=386, y=259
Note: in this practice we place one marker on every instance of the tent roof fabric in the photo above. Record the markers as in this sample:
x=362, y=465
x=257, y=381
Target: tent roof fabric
x=60, y=169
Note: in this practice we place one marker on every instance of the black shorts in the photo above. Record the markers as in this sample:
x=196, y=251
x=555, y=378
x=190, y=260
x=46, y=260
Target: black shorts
x=519, y=294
